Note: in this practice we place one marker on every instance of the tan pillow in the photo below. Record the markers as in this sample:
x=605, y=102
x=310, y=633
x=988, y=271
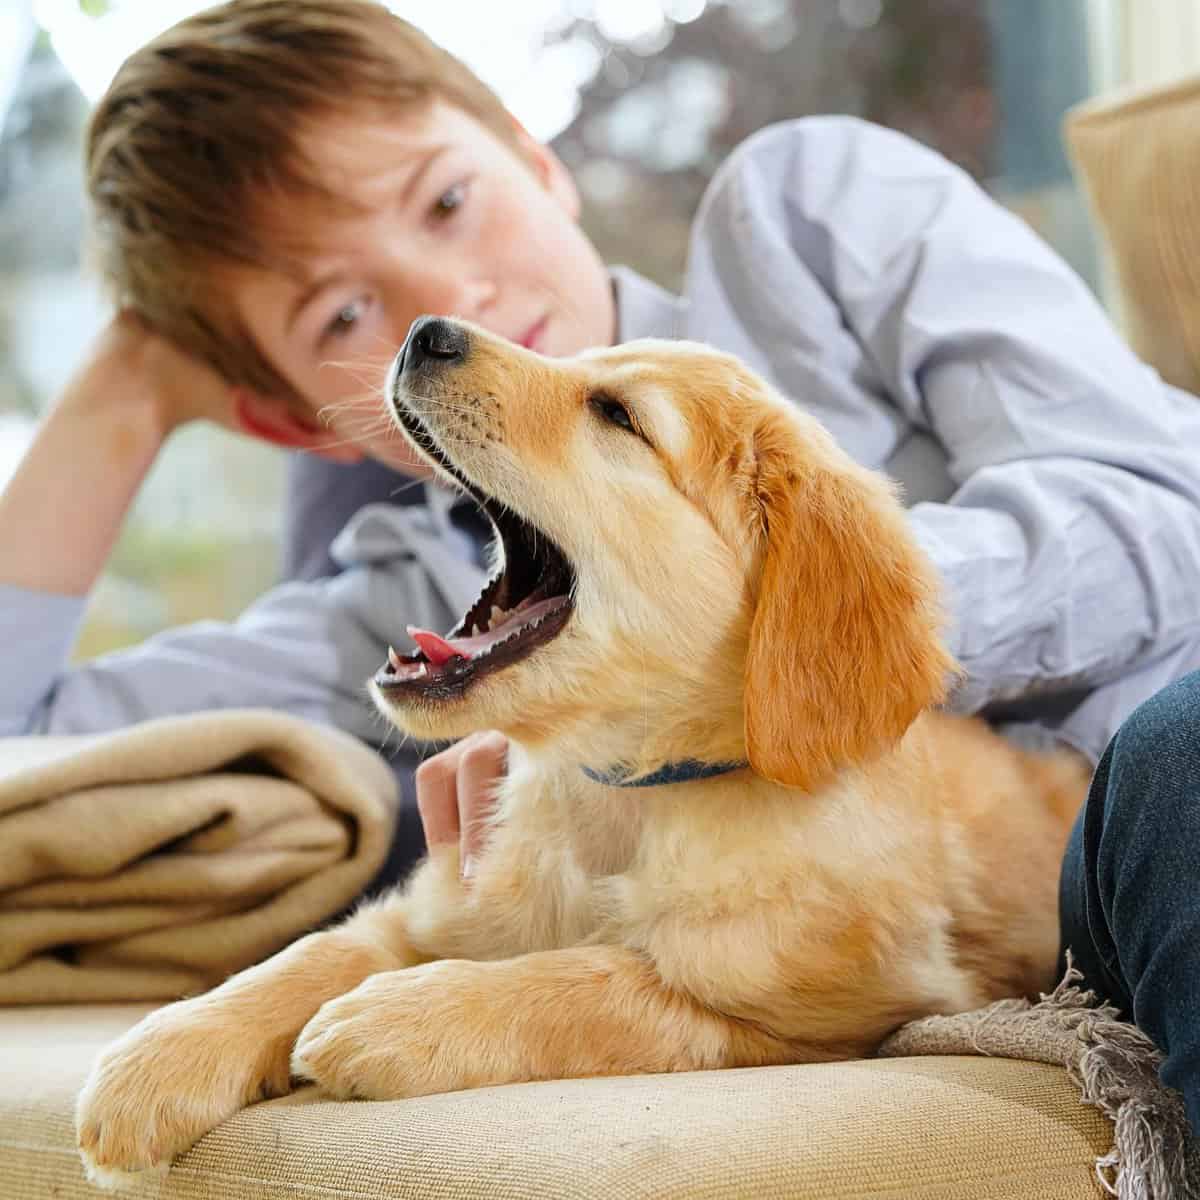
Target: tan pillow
x=1138, y=157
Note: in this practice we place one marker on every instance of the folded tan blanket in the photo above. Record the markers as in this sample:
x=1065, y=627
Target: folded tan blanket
x=152, y=862
x=1113, y=1063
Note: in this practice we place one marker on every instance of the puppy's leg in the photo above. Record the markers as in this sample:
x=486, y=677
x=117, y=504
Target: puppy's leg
x=554, y=1014
x=187, y=1067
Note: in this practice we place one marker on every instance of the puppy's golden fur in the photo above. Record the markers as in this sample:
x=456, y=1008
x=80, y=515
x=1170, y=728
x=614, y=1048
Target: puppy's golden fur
x=743, y=591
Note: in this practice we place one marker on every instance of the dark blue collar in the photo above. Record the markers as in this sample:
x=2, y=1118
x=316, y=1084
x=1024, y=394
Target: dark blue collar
x=677, y=772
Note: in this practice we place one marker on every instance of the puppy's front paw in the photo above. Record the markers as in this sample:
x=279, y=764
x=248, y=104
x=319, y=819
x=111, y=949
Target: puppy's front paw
x=177, y=1074
x=398, y=1034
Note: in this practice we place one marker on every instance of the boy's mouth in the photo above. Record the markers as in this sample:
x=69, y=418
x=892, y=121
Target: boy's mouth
x=531, y=339
x=520, y=608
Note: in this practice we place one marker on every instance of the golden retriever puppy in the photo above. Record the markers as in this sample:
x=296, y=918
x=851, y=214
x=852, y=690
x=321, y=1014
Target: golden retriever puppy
x=735, y=830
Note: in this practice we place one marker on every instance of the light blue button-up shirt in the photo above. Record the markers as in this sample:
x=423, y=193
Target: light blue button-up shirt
x=1053, y=478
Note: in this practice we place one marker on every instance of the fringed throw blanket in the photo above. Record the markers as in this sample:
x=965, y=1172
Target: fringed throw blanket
x=1113, y=1063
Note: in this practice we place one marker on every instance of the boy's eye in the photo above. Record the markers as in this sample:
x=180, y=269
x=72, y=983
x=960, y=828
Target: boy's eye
x=449, y=201
x=347, y=317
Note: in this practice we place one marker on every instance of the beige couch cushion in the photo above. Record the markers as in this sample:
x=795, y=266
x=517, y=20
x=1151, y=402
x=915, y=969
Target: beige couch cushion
x=895, y=1129
x=1138, y=157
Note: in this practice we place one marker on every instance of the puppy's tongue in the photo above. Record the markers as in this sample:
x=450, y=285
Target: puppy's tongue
x=434, y=647
x=440, y=650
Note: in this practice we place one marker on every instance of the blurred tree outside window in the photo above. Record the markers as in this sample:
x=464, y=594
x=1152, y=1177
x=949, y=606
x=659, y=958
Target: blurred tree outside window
x=641, y=98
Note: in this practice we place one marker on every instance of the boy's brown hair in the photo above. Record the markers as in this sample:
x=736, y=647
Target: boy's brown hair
x=204, y=119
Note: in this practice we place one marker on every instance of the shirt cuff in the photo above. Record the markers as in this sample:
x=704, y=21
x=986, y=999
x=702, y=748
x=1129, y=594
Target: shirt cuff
x=37, y=631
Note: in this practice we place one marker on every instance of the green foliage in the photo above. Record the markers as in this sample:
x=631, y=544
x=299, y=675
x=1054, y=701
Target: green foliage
x=150, y=554
x=183, y=576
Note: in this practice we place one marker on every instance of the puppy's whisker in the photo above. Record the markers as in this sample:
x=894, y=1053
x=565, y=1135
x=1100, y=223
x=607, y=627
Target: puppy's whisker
x=338, y=444
x=372, y=412
x=404, y=487
x=377, y=422
x=369, y=404
x=386, y=346
x=377, y=365
x=444, y=404
x=360, y=437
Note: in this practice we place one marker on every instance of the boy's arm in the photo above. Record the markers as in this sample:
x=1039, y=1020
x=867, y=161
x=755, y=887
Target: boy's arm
x=304, y=648
x=1071, y=545
x=62, y=511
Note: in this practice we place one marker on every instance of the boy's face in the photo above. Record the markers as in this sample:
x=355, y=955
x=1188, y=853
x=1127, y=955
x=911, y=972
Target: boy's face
x=453, y=223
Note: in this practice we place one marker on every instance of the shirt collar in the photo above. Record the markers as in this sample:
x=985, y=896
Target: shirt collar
x=644, y=310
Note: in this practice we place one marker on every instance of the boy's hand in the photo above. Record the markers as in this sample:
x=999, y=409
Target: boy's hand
x=152, y=370
x=456, y=792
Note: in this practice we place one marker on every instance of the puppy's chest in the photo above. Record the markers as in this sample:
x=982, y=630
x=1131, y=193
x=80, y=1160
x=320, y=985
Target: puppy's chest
x=603, y=839
x=625, y=861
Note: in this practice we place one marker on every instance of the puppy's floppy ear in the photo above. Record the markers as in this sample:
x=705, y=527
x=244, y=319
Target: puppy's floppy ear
x=844, y=643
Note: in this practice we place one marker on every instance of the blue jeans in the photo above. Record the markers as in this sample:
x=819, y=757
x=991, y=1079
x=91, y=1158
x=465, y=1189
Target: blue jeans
x=1129, y=899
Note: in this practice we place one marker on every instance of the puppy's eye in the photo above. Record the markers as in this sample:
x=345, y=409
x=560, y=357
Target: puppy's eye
x=611, y=410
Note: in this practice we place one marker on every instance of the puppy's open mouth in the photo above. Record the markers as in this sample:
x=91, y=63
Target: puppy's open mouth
x=527, y=604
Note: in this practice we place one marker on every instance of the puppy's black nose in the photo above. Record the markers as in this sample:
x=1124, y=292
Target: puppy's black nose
x=435, y=342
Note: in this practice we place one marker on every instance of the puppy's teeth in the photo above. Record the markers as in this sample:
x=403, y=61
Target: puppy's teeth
x=498, y=617
x=423, y=671
x=394, y=659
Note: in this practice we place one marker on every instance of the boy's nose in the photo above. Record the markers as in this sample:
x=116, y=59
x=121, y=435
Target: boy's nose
x=434, y=342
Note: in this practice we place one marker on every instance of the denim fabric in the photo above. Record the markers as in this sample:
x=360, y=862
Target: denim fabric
x=1130, y=888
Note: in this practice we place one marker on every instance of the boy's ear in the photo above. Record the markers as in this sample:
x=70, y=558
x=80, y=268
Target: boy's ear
x=284, y=424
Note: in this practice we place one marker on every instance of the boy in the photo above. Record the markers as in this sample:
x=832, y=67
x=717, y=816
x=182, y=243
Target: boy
x=281, y=186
